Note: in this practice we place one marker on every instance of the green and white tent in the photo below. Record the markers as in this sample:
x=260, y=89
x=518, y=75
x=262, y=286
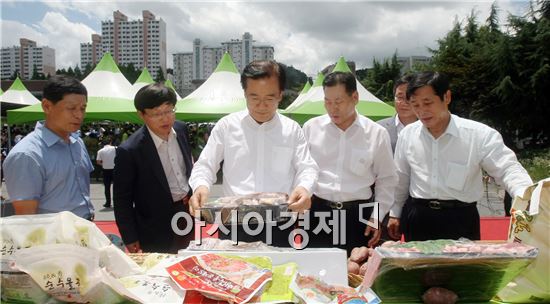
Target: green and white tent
x=143, y=80
x=18, y=95
x=313, y=106
x=218, y=96
x=109, y=97
x=298, y=101
x=170, y=84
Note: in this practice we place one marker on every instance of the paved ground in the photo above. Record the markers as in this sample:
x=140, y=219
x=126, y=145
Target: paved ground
x=490, y=205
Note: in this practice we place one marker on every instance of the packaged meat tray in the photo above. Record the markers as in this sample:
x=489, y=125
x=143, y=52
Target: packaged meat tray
x=264, y=206
x=473, y=271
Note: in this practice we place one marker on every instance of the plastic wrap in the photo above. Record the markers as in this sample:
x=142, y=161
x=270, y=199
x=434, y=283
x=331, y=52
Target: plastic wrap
x=267, y=206
x=221, y=277
x=28, y=231
x=475, y=271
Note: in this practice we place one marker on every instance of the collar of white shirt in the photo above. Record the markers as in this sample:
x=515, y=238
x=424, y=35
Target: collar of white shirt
x=266, y=125
x=157, y=140
x=398, y=122
x=358, y=121
x=452, y=128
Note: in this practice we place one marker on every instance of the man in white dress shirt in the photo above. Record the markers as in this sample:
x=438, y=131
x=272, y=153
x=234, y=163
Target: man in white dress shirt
x=106, y=159
x=439, y=161
x=261, y=150
x=353, y=153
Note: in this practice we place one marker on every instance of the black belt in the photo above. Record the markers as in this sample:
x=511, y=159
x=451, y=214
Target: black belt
x=441, y=204
x=341, y=205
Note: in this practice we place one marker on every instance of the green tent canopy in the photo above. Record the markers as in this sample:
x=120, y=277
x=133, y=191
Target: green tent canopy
x=300, y=98
x=170, y=84
x=218, y=96
x=313, y=103
x=143, y=80
x=109, y=97
x=18, y=95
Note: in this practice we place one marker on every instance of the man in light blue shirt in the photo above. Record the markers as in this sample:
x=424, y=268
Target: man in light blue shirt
x=49, y=170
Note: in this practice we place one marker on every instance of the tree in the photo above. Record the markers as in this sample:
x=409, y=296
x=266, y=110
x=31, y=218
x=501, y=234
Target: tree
x=78, y=73
x=87, y=70
x=380, y=78
x=35, y=74
x=501, y=77
x=130, y=72
x=160, y=76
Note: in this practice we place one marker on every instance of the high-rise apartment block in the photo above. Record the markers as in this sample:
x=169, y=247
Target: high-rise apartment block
x=140, y=42
x=190, y=67
x=25, y=57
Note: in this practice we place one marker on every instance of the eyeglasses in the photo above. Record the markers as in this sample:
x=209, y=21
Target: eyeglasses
x=160, y=115
x=400, y=98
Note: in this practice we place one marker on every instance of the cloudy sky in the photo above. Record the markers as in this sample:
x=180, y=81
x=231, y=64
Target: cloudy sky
x=308, y=35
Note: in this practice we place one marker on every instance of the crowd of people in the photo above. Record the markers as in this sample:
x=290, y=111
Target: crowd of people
x=417, y=174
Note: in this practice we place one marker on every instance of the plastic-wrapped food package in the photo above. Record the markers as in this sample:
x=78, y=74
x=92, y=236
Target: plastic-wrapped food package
x=24, y=231
x=220, y=277
x=267, y=206
x=312, y=290
x=28, y=231
x=70, y=273
x=529, y=225
x=153, y=289
x=474, y=271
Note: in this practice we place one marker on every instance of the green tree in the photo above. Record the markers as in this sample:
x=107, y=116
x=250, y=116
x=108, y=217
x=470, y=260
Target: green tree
x=160, y=76
x=87, y=70
x=130, y=72
x=35, y=74
x=380, y=78
x=78, y=73
x=501, y=77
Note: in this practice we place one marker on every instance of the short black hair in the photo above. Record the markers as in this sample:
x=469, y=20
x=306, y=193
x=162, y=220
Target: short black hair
x=345, y=78
x=60, y=85
x=259, y=69
x=438, y=81
x=154, y=95
x=405, y=79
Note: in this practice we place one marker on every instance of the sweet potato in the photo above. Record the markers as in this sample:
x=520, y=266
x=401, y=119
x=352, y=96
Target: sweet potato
x=439, y=295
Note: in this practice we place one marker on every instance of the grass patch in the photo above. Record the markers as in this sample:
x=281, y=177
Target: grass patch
x=536, y=162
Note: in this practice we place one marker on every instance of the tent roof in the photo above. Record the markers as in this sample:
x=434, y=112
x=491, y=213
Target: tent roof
x=298, y=101
x=170, y=84
x=226, y=65
x=341, y=66
x=143, y=80
x=109, y=97
x=107, y=64
x=313, y=104
x=218, y=96
x=18, y=94
x=144, y=77
x=106, y=80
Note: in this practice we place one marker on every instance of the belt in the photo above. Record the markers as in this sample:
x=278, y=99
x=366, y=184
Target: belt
x=341, y=205
x=441, y=204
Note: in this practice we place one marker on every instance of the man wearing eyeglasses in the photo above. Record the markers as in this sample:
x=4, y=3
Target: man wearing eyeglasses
x=404, y=115
x=48, y=171
x=262, y=150
x=152, y=168
x=395, y=124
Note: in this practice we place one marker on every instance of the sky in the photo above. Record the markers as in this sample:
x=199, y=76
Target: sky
x=308, y=35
